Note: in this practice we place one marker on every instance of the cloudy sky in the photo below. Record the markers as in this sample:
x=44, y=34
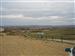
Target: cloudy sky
x=37, y=12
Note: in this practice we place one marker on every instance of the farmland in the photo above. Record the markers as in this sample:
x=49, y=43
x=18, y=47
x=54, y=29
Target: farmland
x=64, y=33
x=35, y=42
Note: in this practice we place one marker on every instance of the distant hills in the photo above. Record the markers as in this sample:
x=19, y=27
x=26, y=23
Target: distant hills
x=39, y=26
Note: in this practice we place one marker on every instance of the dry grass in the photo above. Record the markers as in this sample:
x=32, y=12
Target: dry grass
x=20, y=46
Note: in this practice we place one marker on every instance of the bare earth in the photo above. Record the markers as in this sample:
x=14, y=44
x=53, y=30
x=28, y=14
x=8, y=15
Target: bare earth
x=20, y=46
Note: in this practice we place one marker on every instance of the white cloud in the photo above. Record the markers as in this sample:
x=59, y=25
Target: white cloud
x=43, y=12
x=12, y=16
x=51, y=18
x=45, y=18
x=37, y=0
x=31, y=6
x=38, y=9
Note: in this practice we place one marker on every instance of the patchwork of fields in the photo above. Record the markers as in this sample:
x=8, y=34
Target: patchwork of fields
x=21, y=46
x=63, y=34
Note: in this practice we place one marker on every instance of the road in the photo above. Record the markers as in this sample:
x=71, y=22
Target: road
x=64, y=41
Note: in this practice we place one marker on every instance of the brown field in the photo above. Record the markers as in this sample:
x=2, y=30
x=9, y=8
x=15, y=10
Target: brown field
x=20, y=46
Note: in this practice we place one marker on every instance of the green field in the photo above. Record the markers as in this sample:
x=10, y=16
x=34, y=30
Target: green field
x=66, y=34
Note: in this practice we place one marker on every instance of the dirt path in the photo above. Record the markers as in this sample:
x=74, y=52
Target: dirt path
x=20, y=46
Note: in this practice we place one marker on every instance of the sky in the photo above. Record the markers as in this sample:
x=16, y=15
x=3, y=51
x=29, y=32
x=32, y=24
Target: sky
x=37, y=12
